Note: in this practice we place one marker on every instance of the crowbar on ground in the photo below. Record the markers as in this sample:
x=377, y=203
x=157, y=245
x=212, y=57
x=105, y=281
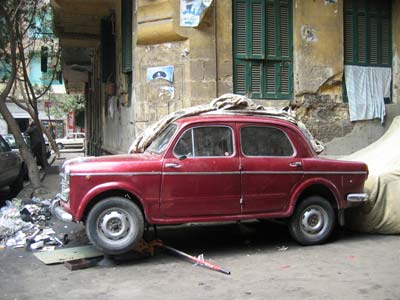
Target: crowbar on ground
x=198, y=261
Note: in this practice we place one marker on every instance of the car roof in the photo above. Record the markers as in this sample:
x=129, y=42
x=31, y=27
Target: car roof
x=235, y=118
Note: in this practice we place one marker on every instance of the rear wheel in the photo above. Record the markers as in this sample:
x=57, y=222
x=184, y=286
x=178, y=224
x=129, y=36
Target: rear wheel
x=313, y=221
x=60, y=146
x=115, y=225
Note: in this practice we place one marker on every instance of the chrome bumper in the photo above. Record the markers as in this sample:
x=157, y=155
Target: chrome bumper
x=59, y=212
x=357, y=198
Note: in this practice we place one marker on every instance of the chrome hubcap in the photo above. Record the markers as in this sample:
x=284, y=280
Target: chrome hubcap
x=114, y=224
x=313, y=220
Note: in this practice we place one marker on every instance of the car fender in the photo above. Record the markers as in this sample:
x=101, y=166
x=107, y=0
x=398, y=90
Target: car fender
x=309, y=182
x=108, y=186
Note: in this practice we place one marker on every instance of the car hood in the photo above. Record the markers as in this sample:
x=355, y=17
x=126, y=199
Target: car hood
x=114, y=163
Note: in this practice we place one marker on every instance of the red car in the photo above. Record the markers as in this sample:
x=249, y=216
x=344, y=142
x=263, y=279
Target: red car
x=211, y=168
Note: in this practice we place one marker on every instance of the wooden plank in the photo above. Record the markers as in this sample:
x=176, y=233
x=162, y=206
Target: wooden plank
x=80, y=264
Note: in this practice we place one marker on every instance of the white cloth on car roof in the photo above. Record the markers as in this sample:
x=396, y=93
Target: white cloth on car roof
x=366, y=89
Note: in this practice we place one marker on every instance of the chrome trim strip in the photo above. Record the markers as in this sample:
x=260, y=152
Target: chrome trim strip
x=220, y=173
x=202, y=173
x=117, y=174
x=337, y=173
x=271, y=172
x=302, y=172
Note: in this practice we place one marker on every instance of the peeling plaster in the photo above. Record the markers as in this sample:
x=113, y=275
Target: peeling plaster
x=308, y=33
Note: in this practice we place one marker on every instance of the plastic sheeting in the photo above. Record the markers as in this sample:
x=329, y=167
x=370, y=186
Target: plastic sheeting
x=381, y=214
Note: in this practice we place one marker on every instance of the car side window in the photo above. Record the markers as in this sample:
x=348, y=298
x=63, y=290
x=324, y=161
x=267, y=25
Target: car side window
x=4, y=146
x=265, y=141
x=81, y=136
x=207, y=141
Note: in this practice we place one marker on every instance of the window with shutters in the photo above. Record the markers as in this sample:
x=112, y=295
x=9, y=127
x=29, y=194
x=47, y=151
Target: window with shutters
x=367, y=34
x=263, y=59
x=126, y=30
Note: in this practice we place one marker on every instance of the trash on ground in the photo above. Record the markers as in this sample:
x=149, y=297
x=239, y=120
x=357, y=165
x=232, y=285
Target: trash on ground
x=27, y=225
x=282, y=248
x=67, y=254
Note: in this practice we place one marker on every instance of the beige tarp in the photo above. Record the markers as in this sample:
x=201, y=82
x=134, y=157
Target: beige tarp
x=382, y=212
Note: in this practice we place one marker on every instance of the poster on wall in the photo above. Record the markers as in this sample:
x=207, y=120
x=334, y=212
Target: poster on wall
x=164, y=72
x=192, y=11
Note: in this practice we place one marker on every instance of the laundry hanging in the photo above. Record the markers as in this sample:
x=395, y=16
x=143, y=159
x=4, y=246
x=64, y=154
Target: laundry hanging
x=366, y=89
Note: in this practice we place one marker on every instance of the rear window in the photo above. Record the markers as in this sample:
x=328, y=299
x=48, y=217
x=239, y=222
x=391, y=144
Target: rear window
x=265, y=141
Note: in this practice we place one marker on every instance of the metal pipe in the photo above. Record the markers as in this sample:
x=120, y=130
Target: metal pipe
x=198, y=261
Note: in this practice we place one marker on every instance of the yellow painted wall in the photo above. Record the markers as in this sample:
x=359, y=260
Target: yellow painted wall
x=318, y=47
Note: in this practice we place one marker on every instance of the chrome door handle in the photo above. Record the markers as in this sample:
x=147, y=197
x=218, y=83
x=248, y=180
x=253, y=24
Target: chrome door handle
x=172, y=165
x=295, y=164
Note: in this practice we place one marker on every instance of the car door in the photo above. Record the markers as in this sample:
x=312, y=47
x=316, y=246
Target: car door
x=270, y=168
x=9, y=164
x=201, y=175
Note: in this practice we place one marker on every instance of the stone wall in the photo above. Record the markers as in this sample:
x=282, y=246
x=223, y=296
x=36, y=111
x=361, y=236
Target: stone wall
x=191, y=51
x=202, y=61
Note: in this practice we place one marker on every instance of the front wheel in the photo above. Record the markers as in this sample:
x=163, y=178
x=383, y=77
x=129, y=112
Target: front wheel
x=313, y=221
x=115, y=225
x=60, y=146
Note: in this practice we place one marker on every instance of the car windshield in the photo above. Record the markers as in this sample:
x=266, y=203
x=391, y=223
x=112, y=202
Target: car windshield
x=160, y=143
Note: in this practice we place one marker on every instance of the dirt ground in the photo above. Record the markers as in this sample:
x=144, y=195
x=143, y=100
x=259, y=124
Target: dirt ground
x=264, y=261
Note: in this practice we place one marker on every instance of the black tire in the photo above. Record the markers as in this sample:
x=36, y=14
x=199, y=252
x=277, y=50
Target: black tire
x=313, y=221
x=115, y=225
x=18, y=183
x=60, y=146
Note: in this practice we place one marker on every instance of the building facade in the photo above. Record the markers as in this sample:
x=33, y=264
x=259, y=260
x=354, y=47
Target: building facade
x=136, y=61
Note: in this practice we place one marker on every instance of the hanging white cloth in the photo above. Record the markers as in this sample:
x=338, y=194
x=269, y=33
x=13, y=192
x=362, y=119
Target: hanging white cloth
x=366, y=89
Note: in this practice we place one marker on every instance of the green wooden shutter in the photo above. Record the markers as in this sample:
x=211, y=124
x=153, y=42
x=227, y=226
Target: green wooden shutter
x=367, y=34
x=257, y=33
x=263, y=49
x=126, y=30
x=240, y=78
x=241, y=29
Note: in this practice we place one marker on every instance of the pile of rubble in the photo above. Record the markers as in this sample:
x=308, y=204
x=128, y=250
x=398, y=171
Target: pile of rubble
x=28, y=226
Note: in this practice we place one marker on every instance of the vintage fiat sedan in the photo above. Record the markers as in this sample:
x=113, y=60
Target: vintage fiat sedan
x=211, y=168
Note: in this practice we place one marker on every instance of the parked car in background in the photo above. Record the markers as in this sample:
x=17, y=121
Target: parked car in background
x=211, y=168
x=9, y=138
x=71, y=140
x=12, y=168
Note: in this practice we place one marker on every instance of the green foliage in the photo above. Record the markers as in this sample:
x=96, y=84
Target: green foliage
x=63, y=104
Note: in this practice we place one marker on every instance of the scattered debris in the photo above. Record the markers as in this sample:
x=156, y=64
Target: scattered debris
x=27, y=225
x=284, y=267
x=282, y=248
